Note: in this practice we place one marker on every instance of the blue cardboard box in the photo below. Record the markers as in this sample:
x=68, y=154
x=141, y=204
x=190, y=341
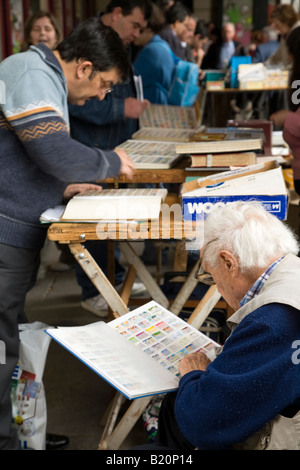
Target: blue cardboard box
x=261, y=182
x=235, y=62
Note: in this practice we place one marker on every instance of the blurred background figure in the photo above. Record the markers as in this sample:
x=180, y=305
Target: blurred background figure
x=268, y=47
x=289, y=119
x=155, y=61
x=187, y=36
x=41, y=28
x=256, y=39
x=199, y=41
x=164, y=5
x=223, y=48
x=283, y=19
x=177, y=20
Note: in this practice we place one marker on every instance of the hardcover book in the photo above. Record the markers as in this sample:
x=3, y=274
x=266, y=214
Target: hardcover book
x=137, y=353
x=115, y=204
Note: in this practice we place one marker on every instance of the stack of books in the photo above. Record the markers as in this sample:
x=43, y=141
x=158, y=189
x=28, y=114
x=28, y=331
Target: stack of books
x=221, y=148
x=161, y=127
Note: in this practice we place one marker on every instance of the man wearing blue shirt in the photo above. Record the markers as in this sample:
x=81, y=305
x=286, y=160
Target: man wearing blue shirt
x=109, y=123
x=113, y=121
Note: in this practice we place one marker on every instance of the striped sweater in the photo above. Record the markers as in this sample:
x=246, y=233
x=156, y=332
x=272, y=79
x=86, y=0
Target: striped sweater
x=38, y=156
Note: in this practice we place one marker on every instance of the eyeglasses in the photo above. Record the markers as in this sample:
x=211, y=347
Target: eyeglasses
x=108, y=90
x=204, y=276
x=106, y=86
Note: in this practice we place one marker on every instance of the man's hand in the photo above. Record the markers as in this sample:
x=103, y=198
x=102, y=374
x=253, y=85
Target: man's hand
x=194, y=361
x=134, y=108
x=127, y=165
x=279, y=117
x=77, y=188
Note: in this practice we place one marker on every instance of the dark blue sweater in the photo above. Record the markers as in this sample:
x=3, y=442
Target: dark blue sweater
x=252, y=380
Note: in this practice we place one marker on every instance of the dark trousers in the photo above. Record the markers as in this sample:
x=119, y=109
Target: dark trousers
x=18, y=268
x=169, y=436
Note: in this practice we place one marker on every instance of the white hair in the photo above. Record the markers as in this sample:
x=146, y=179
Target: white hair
x=253, y=235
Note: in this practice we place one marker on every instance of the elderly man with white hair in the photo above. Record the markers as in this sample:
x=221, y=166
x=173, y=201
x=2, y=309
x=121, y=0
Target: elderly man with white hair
x=248, y=397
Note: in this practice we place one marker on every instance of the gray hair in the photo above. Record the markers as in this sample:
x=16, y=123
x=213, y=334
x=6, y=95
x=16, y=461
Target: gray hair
x=270, y=33
x=253, y=235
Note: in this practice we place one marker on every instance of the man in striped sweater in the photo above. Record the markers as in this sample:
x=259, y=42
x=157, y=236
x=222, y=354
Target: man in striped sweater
x=40, y=161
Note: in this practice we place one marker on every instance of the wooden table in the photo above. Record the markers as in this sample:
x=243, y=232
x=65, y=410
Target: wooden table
x=208, y=98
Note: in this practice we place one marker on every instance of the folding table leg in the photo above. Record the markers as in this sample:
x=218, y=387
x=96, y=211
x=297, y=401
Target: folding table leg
x=98, y=278
x=114, y=440
x=142, y=272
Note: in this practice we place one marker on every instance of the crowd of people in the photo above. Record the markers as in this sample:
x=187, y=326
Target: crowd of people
x=69, y=104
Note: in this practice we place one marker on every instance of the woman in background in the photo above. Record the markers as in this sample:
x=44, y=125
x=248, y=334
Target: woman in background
x=284, y=19
x=41, y=28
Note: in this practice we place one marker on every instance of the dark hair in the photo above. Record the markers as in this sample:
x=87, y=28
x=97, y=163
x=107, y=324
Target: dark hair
x=128, y=5
x=293, y=45
x=157, y=20
x=201, y=29
x=177, y=12
x=30, y=23
x=99, y=44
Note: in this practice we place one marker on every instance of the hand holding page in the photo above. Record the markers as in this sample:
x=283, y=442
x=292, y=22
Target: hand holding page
x=139, y=352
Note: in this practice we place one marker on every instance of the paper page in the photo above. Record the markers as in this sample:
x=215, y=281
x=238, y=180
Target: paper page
x=265, y=183
x=171, y=117
x=120, y=363
x=124, y=193
x=52, y=214
x=151, y=154
x=162, y=335
x=138, y=82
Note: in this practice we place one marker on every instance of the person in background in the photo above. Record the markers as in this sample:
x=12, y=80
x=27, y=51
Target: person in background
x=268, y=47
x=41, y=28
x=223, y=49
x=198, y=42
x=187, y=36
x=248, y=397
x=113, y=121
x=155, y=62
x=40, y=160
x=283, y=19
x=177, y=22
x=164, y=5
x=107, y=124
x=255, y=39
x=289, y=119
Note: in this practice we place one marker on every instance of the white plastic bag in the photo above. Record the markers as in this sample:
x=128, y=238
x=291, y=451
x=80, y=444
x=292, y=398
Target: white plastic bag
x=27, y=390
